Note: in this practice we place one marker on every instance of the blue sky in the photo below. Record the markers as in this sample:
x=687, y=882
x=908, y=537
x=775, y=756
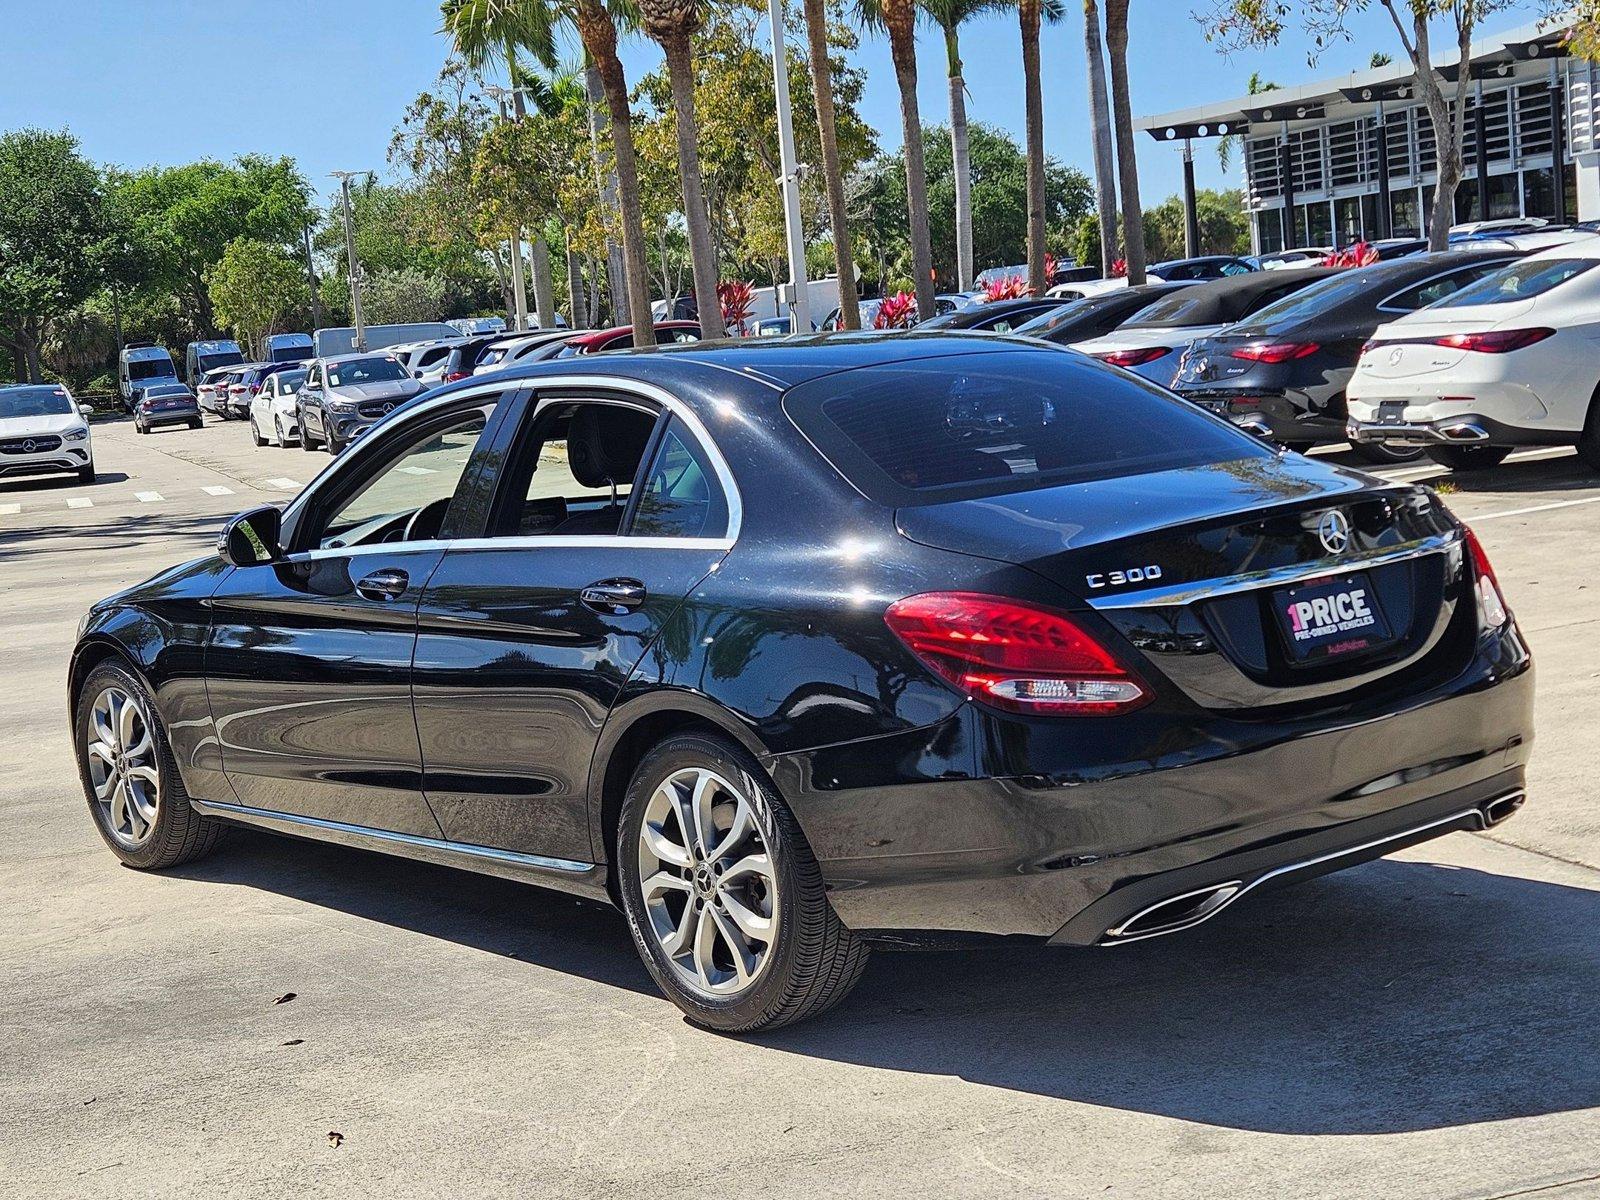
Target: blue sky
x=165, y=81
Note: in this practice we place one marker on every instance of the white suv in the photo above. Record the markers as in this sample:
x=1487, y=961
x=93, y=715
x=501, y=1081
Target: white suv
x=43, y=431
x=1508, y=360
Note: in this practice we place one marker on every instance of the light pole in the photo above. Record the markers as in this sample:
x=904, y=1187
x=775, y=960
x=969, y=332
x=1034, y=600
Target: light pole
x=519, y=289
x=799, y=297
x=344, y=178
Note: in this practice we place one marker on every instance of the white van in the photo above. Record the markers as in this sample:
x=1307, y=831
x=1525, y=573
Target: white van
x=138, y=366
x=208, y=356
x=330, y=343
x=286, y=347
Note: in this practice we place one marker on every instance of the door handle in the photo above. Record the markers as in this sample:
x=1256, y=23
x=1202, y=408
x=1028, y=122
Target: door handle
x=613, y=595
x=388, y=584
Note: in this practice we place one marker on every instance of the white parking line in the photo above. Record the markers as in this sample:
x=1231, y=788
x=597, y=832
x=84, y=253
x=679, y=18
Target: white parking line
x=1517, y=512
x=284, y=482
x=148, y=497
x=418, y=471
x=10, y=510
x=80, y=502
x=217, y=489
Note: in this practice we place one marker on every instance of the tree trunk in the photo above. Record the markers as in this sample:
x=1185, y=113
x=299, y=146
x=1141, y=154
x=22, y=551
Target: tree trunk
x=544, y=291
x=1105, y=166
x=575, y=300
x=832, y=174
x=1127, y=163
x=599, y=34
x=591, y=318
x=960, y=158
x=1028, y=18
x=702, y=257
x=900, y=20
x=606, y=179
x=30, y=339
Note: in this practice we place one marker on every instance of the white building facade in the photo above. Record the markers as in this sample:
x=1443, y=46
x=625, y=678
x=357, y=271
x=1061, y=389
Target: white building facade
x=1353, y=158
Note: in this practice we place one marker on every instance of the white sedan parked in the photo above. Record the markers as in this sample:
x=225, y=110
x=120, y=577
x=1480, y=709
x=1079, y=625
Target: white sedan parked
x=272, y=409
x=1507, y=361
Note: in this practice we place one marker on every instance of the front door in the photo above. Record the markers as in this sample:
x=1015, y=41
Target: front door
x=607, y=515
x=309, y=660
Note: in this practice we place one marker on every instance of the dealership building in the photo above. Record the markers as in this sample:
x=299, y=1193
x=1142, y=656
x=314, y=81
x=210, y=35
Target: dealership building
x=1351, y=158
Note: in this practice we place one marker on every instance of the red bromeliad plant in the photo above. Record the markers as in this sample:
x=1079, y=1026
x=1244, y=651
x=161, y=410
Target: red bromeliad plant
x=1006, y=287
x=1119, y=268
x=1357, y=254
x=898, y=311
x=736, y=298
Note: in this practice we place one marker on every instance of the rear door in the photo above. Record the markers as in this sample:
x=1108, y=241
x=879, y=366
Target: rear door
x=608, y=510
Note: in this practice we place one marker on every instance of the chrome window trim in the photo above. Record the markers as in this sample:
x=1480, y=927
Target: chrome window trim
x=645, y=391
x=1210, y=589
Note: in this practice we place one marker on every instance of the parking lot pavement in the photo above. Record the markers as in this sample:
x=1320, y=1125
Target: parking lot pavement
x=1422, y=1026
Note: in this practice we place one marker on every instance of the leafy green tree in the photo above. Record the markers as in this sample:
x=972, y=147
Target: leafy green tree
x=256, y=288
x=184, y=218
x=403, y=296
x=1224, y=229
x=52, y=238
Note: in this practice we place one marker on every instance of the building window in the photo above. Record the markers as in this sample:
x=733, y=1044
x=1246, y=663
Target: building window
x=1269, y=230
x=1370, y=229
x=1405, y=214
x=1320, y=227
x=1347, y=221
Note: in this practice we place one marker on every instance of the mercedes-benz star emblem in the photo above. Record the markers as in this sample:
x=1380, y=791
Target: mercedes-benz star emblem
x=29, y=446
x=1333, y=528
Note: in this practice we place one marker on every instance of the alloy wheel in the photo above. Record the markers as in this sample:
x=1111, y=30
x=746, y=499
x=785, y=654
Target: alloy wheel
x=708, y=882
x=123, y=767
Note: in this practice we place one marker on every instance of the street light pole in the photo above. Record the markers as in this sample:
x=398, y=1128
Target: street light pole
x=799, y=294
x=350, y=250
x=519, y=289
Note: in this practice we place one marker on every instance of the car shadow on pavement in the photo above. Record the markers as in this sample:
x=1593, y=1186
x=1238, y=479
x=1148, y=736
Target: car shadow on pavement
x=49, y=484
x=1394, y=997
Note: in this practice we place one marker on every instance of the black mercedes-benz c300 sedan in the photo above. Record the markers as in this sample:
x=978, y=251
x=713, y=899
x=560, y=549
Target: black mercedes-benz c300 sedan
x=795, y=647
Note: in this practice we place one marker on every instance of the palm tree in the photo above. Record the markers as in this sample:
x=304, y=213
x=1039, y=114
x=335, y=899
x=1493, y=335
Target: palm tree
x=605, y=174
x=489, y=33
x=1030, y=13
x=949, y=15
x=1105, y=165
x=597, y=30
x=833, y=176
x=673, y=23
x=898, y=19
x=1255, y=85
x=1127, y=163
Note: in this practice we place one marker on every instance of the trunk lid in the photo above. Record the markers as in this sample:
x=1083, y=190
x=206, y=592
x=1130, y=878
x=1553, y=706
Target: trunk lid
x=1233, y=581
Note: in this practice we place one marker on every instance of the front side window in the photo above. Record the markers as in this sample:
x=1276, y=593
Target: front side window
x=1518, y=281
x=680, y=495
x=405, y=499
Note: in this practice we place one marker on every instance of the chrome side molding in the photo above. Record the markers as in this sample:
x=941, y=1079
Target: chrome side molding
x=565, y=874
x=1209, y=589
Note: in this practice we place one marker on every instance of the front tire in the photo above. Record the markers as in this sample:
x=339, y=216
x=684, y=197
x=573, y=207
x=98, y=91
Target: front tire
x=1468, y=458
x=255, y=432
x=130, y=778
x=305, y=434
x=86, y=474
x=723, y=895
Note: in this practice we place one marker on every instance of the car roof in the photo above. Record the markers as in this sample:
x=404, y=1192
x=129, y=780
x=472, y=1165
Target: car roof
x=1586, y=247
x=1218, y=301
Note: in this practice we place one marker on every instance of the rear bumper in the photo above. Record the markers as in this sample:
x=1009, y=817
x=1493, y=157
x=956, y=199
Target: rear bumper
x=1463, y=429
x=1291, y=416
x=915, y=845
x=171, y=416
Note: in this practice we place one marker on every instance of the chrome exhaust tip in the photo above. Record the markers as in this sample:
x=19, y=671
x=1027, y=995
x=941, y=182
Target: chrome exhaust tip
x=1502, y=808
x=1464, y=431
x=1175, y=912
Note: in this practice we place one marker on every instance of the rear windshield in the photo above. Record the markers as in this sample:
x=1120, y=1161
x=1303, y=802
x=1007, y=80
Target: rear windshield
x=1327, y=294
x=1216, y=303
x=1519, y=281
x=988, y=424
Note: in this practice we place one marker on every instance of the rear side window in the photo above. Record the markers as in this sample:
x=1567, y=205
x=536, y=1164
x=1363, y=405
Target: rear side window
x=681, y=496
x=988, y=424
x=1519, y=281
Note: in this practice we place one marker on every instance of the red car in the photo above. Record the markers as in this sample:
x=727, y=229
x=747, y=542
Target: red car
x=621, y=338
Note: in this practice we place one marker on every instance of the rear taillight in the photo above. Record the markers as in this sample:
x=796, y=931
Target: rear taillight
x=1134, y=358
x=452, y=376
x=1274, y=352
x=1015, y=656
x=254, y=388
x=1496, y=341
x=1491, y=605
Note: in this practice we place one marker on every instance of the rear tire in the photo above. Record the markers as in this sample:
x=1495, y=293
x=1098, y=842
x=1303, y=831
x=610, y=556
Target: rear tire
x=1468, y=458
x=1381, y=452
x=139, y=809
x=708, y=907
x=197, y=423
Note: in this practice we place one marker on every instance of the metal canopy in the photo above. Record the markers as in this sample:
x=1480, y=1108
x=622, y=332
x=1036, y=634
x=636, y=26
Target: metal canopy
x=1200, y=129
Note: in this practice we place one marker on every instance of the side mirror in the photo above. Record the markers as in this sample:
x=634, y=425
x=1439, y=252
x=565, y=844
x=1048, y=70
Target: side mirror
x=251, y=538
x=86, y=410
